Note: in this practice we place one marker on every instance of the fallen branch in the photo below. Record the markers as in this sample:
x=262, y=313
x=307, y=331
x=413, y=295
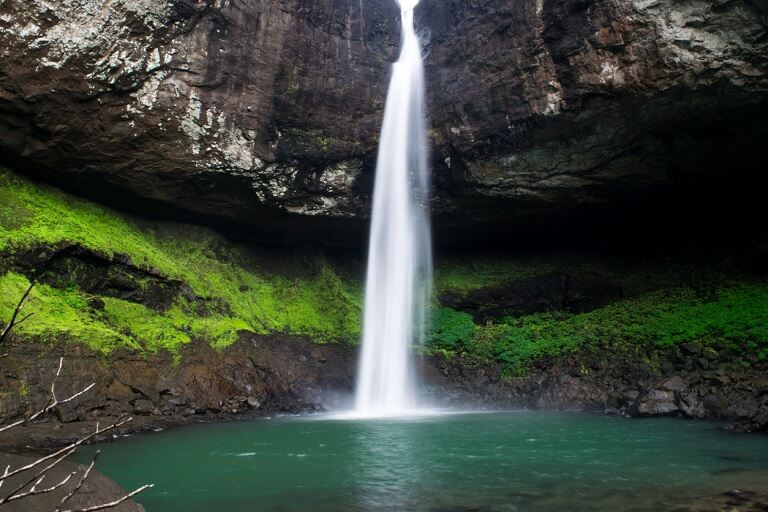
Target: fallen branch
x=56, y=458
x=34, y=491
x=15, y=494
x=119, y=423
x=13, y=322
x=53, y=402
x=115, y=503
x=80, y=483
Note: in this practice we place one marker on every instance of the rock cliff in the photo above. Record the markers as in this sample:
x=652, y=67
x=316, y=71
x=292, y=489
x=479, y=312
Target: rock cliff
x=264, y=114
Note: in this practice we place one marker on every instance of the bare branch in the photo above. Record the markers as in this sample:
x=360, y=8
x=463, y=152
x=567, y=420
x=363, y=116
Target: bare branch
x=60, y=455
x=34, y=491
x=115, y=503
x=14, y=495
x=13, y=322
x=23, y=319
x=5, y=473
x=55, y=378
x=79, y=393
x=52, y=403
x=119, y=423
x=15, y=424
x=80, y=483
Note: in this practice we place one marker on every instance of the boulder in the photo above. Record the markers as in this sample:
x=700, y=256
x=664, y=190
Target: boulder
x=143, y=406
x=655, y=402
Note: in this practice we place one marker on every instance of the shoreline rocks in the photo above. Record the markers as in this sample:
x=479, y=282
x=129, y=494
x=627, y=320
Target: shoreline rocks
x=261, y=376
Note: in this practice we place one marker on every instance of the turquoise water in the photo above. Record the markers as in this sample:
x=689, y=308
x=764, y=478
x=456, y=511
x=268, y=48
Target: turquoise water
x=516, y=461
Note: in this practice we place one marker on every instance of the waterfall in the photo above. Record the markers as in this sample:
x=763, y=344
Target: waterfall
x=399, y=278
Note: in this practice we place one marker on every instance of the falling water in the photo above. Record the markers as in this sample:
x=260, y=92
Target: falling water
x=400, y=255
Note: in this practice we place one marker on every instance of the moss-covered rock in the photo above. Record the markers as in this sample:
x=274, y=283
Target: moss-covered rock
x=734, y=319
x=110, y=280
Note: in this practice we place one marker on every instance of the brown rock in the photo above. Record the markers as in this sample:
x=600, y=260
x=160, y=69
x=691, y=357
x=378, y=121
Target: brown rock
x=675, y=383
x=265, y=115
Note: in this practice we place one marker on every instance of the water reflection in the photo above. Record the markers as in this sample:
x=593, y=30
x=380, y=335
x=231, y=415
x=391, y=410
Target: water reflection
x=388, y=466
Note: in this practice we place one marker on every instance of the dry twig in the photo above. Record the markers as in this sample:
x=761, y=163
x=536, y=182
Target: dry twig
x=59, y=456
x=80, y=483
x=115, y=503
x=52, y=402
x=69, y=448
x=13, y=321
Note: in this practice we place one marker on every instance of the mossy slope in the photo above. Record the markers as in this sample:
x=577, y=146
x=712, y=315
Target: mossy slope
x=278, y=293
x=735, y=319
x=671, y=300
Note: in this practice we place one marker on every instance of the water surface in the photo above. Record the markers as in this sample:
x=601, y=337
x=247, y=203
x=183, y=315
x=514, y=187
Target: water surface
x=518, y=461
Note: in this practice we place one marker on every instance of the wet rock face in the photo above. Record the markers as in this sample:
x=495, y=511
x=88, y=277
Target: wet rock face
x=268, y=110
x=724, y=388
x=551, y=104
x=256, y=374
x=227, y=109
x=268, y=374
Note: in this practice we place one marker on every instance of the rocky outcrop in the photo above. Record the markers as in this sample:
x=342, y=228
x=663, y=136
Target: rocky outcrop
x=66, y=264
x=264, y=114
x=690, y=381
x=262, y=374
x=266, y=375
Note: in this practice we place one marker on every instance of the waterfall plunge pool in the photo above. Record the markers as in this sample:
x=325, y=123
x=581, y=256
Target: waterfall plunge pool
x=505, y=461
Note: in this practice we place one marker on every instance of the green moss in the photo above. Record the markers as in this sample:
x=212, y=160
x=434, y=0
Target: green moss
x=263, y=295
x=460, y=275
x=457, y=275
x=293, y=85
x=324, y=141
x=138, y=322
x=269, y=292
x=738, y=317
x=24, y=389
x=59, y=314
x=451, y=330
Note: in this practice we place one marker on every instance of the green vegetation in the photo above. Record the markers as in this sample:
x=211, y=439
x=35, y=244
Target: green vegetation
x=272, y=294
x=737, y=317
x=237, y=288
x=324, y=141
x=460, y=275
x=451, y=330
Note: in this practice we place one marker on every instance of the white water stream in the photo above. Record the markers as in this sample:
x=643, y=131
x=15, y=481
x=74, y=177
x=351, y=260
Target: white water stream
x=399, y=279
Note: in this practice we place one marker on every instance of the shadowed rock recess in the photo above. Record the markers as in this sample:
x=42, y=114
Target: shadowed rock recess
x=264, y=114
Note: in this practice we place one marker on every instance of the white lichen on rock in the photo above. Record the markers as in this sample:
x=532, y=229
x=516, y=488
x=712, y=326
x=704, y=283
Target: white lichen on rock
x=610, y=73
x=340, y=177
x=224, y=146
x=189, y=123
x=85, y=26
x=147, y=95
